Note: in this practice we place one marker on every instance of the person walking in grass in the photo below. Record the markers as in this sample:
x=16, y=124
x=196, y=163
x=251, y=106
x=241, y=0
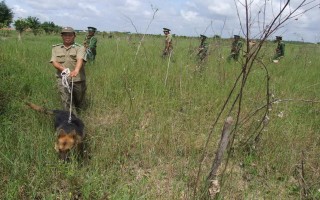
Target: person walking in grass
x=236, y=47
x=90, y=43
x=168, y=43
x=203, y=48
x=69, y=58
x=279, y=52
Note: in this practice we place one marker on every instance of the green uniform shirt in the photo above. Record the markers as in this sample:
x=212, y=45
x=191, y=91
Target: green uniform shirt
x=91, y=41
x=67, y=57
x=204, y=45
x=280, y=49
x=236, y=47
x=203, y=49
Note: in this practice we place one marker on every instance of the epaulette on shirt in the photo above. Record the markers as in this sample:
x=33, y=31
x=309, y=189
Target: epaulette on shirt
x=76, y=44
x=55, y=45
x=61, y=44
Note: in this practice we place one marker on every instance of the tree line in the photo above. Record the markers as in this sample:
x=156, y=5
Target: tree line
x=23, y=24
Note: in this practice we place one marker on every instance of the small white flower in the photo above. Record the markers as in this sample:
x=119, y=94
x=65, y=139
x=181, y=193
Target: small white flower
x=280, y=114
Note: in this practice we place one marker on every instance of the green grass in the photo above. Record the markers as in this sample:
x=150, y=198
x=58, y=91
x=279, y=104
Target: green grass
x=146, y=133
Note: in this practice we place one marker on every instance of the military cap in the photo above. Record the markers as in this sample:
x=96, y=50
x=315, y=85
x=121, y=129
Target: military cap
x=166, y=29
x=203, y=36
x=279, y=37
x=90, y=28
x=67, y=30
x=236, y=36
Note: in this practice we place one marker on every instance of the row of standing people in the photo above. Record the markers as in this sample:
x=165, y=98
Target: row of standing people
x=73, y=56
x=237, y=44
x=236, y=47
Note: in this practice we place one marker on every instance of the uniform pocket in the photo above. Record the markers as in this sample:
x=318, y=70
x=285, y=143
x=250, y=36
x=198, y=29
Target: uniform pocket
x=61, y=58
x=73, y=55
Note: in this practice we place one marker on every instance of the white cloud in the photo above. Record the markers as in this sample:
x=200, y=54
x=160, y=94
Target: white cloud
x=132, y=4
x=189, y=15
x=89, y=9
x=191, y=4
x=50, y=5
x=185, y=17
x=19, y=12
x=220, y=8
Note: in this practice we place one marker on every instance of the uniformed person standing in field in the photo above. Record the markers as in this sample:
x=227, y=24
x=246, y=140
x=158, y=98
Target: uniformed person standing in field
x=236, y=47
x=279, y=53
x=90, y=43
x=168, y=43
x=203, y=48
x=70, y=55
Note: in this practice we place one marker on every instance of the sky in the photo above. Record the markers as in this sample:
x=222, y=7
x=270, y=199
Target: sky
x=184, y=17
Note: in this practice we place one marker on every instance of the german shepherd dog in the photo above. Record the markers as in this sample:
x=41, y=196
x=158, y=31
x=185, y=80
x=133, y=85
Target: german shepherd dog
x=70, y=135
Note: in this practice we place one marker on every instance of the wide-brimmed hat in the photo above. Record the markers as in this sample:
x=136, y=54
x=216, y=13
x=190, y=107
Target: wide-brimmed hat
x=67, y=30
x=236, y=36
x=90, y=28
x=203, y=36
x=166, y=29
x=279, y=37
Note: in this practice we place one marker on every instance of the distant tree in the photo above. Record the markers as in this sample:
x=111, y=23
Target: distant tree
x=48, y=27
x=6, y=15
x=216, y=37
x=57, y=29
x=34, y=24
x=21, y=25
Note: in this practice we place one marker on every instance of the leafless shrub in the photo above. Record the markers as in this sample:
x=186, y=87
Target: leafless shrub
x=268, y=21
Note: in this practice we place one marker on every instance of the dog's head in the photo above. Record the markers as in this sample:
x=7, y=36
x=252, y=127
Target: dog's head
x=65, y=143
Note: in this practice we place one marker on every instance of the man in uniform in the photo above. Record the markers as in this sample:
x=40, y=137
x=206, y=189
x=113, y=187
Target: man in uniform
x=70, y=55
x=203, y=48
x=90, y=43
x=168, y=43
x=279, y=50
x=236, y=47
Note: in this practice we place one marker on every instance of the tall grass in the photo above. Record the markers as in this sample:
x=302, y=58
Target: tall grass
x=146, y=137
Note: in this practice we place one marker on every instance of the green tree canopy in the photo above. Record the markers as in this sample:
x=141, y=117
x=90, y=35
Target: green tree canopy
x=48, y=27
x=34, y=24
x=6, y=15
x=21, y=25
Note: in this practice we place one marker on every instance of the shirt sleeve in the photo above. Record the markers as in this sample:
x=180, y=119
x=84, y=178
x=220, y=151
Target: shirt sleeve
x=81, y=53
x=169, y=38
x=53, y=56
x=93, y=43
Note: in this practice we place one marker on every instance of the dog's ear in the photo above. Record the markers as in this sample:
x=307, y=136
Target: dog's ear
x=61, y=133
x=76, y=137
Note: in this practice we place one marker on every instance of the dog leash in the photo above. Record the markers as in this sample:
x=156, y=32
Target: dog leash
x=65, y=74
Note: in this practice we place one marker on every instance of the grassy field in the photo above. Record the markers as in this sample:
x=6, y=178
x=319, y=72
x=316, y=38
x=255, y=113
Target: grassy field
x=148, y=121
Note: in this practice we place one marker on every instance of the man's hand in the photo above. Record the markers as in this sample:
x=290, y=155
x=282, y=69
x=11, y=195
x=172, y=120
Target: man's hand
x=74, y=73
x=165, y=52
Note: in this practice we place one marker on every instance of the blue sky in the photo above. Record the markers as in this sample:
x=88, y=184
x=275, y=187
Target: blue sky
x=183, y=17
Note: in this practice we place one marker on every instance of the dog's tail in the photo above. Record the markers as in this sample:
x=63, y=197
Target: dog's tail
x=39, y=108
